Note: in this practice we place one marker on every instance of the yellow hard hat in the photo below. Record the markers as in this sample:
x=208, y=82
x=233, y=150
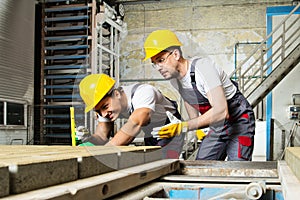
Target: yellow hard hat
x=93, y=88
x=158, y=41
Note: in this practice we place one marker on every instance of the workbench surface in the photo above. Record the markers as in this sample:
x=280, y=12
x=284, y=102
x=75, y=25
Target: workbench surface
x=28, y=167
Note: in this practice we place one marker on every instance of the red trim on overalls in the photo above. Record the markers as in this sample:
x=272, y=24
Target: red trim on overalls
x=202, y=108
x=243, y=141
x=244, y=115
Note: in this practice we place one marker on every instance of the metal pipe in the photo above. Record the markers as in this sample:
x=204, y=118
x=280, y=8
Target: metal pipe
x=143, y=193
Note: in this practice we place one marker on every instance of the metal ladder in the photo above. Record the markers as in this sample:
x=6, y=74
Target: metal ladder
x=80, y=37
x=67, y=30
x=105, y=55
x=268, y=64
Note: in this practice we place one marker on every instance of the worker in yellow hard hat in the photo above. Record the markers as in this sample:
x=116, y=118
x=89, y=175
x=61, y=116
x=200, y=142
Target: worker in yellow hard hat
x=142, y=105
x=211, y=100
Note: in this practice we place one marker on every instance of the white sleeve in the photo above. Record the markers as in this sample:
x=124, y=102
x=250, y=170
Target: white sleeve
x=144, y=97
x=209, y=76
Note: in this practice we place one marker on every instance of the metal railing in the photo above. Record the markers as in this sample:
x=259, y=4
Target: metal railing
x=252, y=71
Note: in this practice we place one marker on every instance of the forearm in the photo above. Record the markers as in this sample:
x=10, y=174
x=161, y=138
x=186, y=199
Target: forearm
x=103, y=131
x=120, y=139
x=140, y=117
x=101, y=135
x=216, y=114
x=96, y=140
x=201, y=121
x=192, y=112
x=211, y=117
x=126, y=134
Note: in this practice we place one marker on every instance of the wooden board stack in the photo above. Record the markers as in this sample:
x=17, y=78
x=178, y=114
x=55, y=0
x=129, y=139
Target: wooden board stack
x=28, y=168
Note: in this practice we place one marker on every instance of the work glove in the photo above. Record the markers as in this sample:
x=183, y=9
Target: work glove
x=81, y=133
x=176, y=127
x=200, y=134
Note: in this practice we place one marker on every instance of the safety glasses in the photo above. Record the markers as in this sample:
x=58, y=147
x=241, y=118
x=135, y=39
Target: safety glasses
x=161, y=61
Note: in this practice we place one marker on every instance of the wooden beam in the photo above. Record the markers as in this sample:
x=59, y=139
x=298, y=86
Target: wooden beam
x=106, y=185
x=4, y=183
x=292, y=157
x=289, y=183
x=232, y=168
x=35, y=167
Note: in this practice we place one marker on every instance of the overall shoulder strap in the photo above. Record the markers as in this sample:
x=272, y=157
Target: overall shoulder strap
x=192, y=73
x=132, y=94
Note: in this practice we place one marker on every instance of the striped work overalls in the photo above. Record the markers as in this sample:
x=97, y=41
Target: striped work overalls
x=233, y=137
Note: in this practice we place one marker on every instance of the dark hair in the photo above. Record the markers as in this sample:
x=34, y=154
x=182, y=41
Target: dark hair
x=172, y=48
x=110, y=93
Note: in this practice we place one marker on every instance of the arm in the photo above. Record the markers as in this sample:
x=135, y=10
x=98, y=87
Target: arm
x=101, y=135
x=140, y=117
x=192, y=112
x=218, y=111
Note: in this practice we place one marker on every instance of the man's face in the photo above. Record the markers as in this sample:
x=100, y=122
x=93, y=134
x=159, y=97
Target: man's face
x=109, y=107
x=166, y=64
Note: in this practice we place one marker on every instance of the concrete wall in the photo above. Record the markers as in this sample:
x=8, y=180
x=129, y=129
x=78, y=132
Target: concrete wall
x=211, y=28
x=13, y=136
x=205, y=27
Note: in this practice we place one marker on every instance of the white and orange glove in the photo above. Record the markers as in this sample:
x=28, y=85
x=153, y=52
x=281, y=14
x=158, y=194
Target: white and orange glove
x=176, y=127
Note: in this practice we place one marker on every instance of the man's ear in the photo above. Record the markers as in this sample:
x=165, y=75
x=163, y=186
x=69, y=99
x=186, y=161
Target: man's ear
x=176, y=54
x=117, y=94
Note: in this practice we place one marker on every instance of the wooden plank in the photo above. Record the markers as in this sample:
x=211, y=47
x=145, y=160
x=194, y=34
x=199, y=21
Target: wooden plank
x=232, y=168
x=35, y=167
x=104, y=186
x=289, y=182
x=4, y=183
x=99, y=164
x=292, y=158
x=130, y=159
x=123, y=157
x=15, y=154
x=31, y=176
x=153, y=155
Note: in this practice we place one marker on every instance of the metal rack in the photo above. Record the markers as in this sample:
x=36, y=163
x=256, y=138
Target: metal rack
x=79, y=38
